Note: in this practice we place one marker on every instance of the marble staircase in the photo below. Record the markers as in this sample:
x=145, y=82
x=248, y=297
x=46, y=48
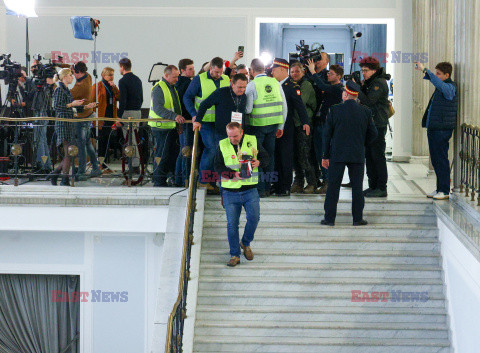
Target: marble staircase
x=296, y=295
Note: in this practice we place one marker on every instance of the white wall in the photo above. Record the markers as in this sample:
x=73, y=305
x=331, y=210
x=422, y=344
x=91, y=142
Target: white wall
x=462, y=275
x=109, y=253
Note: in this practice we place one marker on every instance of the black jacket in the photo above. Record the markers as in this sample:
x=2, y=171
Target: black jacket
x=294, y=102
x=374, y=94
x=349, y=127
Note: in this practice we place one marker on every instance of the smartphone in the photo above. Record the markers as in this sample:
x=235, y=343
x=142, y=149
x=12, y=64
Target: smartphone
x=241, y=48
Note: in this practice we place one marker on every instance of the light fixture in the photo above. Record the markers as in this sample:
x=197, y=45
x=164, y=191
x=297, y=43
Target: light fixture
x=266, y=58
x=24, y=8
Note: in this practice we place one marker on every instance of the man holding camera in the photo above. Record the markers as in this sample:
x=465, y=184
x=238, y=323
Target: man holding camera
x=236, y=161
x=374, y=94
x=440, y=121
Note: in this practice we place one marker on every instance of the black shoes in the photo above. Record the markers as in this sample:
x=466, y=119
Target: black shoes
x=325, y=223
x=375, y=193
x=264, y=194
x=65, y=181
x=360, y=223
x=283, y=193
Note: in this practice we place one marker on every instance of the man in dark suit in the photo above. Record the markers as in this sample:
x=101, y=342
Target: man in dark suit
x=284, y=143
x=349, y=127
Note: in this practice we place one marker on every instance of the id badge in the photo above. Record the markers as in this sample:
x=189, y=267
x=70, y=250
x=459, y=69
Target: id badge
x=237, y=117
x=111, y=101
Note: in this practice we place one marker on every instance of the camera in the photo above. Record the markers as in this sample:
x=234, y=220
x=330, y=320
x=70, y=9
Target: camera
x=355, y=76
x=304, y=53
x=41, y=72
x=12, y=70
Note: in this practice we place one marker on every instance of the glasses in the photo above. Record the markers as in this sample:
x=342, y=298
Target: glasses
x=365, y=70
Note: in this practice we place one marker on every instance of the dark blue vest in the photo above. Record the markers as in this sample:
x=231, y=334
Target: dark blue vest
x=443, y=113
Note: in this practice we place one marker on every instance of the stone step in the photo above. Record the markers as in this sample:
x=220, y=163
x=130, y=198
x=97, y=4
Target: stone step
x=316, y=203
x=314, y=216
x=302, y=299
x=205, y=313
x=312, y=229
x=320, y=344
x=315, y=272
x=258, y=244
x=282, y=333
x=236, y=283
x=327, y=238
x=337, y=345
x=326, y=257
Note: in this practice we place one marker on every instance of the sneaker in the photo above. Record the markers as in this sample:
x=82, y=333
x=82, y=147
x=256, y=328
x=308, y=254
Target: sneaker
x=310, y=189
x=432, y=194
x=441, y=196
x=377, y=193
x=296, y=189
x=234, y=261
x=247, y=252
x=95, y=172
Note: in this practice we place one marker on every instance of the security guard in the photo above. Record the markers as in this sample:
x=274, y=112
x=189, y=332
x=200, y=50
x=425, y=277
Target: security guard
x=238, y=192
x=267, y=107
x=348, y=128
x=284, y=144
x=165, y=104
x=201, y=87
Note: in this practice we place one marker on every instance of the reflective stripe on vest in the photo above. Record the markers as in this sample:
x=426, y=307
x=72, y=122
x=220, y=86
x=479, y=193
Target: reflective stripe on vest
x=249, y=146
x=208, y=87
x=168, y=105
x=268, y=107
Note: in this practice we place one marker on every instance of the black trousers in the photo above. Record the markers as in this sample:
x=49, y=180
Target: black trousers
x=376, y=161
x=335, y=176
x=284, y=158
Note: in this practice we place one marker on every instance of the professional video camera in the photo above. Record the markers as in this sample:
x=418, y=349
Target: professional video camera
x=304, y=52
x=355, y=76
x=42, y=71
x=12, y=70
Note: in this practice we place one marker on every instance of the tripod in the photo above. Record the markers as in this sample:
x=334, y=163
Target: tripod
x=15, y=110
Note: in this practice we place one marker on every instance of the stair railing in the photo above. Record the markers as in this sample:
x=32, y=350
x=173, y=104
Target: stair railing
x=470, y=161
x=177, y=317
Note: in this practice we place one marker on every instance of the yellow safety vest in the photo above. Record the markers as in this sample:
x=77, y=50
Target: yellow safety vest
x=208, y=87
x=249, y=146
x=168, y=105
x=268, y=107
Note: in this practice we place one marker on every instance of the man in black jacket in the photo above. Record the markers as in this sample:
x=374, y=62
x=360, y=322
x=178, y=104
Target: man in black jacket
x=348, y=129
x=284, y=142
x=374, y=94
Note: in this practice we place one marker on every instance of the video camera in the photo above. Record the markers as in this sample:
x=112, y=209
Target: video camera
x=12, y=70
x=304, y=53
x=355, y=76
x=42, y=71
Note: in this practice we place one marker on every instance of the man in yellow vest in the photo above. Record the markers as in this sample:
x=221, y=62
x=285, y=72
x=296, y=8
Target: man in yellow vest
x=201, y=87
x=165, y=104
x=239, y=186
x=267, y=107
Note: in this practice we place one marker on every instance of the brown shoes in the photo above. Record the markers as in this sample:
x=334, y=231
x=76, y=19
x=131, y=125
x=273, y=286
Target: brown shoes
x=234, y=261
x=296, y=189
x=322, y=190
x=310, y=189
x=247, y=252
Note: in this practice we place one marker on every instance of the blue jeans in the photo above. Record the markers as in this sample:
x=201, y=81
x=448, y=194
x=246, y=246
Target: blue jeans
x=233, y=202
x=82, y=131
x=41, y=144
x=165, y=147
x=266, y=136
x=207, y=132
x=438, y=144
x=318, y=145
x=182, y=169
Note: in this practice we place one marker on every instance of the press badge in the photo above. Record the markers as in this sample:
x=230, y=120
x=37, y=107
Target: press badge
x=237, y=117
x=110, y=101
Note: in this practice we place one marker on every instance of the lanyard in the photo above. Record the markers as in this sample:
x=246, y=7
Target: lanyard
x=109, y=91
x=236, y=100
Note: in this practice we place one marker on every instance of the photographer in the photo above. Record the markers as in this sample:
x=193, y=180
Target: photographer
x=440, y=120
x=374, y=94
x=332, y=94
x=41, y=91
